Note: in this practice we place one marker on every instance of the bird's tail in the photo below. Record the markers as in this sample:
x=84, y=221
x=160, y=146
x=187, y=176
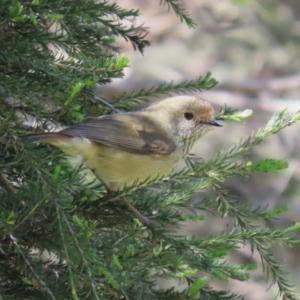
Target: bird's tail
x=44, y=137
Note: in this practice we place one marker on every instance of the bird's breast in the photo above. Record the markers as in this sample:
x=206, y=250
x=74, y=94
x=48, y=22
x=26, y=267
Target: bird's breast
x=117, y=168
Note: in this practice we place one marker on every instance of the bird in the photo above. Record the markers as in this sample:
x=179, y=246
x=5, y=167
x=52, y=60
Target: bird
x=131, y=147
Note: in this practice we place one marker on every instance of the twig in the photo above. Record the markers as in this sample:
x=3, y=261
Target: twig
x=107, y=104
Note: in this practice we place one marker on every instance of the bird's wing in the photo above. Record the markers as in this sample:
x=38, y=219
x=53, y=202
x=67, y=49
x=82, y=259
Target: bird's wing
x=129, y=132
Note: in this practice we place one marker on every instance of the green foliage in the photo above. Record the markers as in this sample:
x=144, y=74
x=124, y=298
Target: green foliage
x=231, y=115
x=125, y=101
x=240, y=2
x=267, y=165
x=62, y=236
x=180, y=11
x=276, y=212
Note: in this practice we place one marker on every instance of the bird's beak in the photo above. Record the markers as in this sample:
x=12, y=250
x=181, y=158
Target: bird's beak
x=212, y=122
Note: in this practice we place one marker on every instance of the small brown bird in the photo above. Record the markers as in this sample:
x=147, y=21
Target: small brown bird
x=128, y=148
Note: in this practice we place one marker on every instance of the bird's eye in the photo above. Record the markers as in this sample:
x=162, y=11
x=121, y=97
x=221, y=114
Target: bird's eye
x=188, y=116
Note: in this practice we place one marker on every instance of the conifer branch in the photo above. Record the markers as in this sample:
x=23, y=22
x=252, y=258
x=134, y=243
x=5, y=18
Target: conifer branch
x=87, y=265
x=180, y=11
x=125, y=101
x=136, y=35
x=100, y=251
x=32, y=268
x=211, y=293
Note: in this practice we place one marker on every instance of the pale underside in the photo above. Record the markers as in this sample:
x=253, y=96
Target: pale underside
x=117, y=168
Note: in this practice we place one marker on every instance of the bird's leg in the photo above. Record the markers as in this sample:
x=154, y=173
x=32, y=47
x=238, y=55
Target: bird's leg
x=107, y=104
x=144, y=220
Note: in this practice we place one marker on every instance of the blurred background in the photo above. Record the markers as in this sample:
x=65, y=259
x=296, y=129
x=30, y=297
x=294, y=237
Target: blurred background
x=253, y=49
